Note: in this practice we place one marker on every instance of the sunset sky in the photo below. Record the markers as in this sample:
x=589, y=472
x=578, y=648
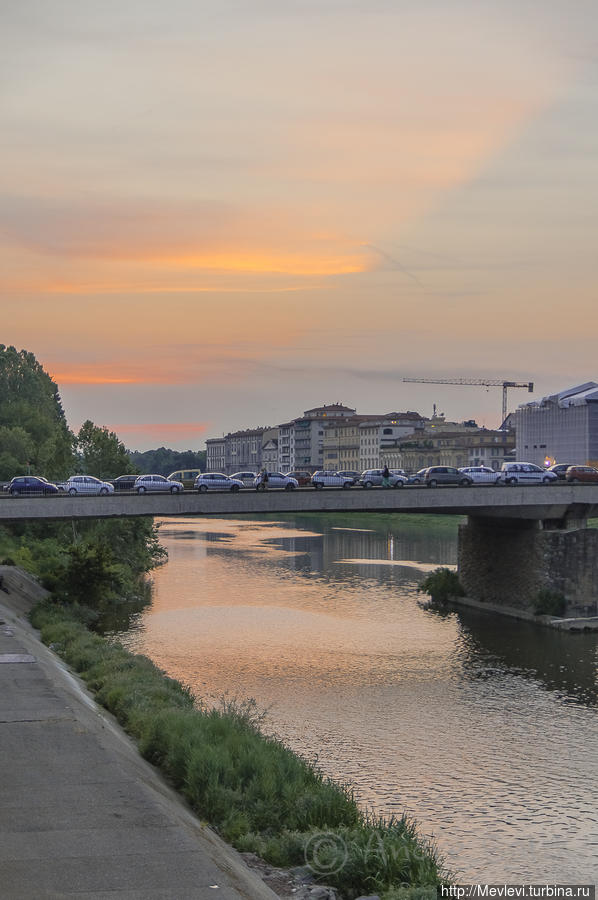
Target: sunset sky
x=218, y=215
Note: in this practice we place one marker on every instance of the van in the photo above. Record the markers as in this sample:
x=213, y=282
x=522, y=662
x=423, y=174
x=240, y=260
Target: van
x=525, y=473
x=186, y=476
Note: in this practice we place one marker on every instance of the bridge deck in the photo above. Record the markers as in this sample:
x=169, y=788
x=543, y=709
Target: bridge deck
x=531, y=502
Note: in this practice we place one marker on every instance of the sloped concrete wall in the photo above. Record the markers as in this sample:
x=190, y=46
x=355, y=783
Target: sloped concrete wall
x=21, y=591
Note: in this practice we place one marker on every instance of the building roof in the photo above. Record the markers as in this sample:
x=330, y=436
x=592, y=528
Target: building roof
x=329, y=409
x=575, y=396
x=249, y=432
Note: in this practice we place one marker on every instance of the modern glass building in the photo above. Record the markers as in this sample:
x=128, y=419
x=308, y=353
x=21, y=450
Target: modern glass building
x=560, y=428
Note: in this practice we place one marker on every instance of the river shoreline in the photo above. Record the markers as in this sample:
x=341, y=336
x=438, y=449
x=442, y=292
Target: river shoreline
x=108, y=669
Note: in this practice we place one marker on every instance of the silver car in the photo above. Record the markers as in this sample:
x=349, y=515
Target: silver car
x=246, y=477
x=216, y=481
x=146, y=483
x=325, y=478
x=86, y=484
x=275, y=480
x=481, y=474
x=372, y=477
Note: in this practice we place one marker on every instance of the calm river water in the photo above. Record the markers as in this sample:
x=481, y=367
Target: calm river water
x=485, y=731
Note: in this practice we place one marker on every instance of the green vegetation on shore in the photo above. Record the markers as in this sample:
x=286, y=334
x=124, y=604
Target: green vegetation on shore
x=260, y=795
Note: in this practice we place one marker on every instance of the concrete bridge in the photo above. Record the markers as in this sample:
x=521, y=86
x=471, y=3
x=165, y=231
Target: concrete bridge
x=538, y=502
x=517, y=540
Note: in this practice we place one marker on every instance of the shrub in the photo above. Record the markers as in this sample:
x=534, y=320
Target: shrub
x=549, y=603
x=441, y=585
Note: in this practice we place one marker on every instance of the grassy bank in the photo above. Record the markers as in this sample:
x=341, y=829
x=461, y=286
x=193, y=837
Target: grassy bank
x=256, y=792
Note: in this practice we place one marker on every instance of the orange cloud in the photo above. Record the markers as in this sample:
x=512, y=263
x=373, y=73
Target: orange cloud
x=171, y=430
x=84, y=377
x=277, y=262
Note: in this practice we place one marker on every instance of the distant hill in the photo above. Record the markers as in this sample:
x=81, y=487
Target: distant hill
x=164, y=461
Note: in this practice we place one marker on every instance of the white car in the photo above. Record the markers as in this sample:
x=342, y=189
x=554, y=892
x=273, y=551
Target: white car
x=525, y=473
x=326, y=478
x=481, y=474
x=276, y=480
x=86, y=484
x=146, y=483
x=216, y=481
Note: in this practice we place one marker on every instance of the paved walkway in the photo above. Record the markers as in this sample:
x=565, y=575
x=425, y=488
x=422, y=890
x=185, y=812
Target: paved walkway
x=81, y=813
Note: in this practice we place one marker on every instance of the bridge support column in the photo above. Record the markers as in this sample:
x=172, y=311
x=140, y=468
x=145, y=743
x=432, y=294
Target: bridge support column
x=508, y=561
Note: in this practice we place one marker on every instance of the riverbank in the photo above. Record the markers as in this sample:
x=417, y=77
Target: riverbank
x=82, y=813
x=261, y=796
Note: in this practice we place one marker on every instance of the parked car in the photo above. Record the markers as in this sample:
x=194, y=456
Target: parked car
x=302, y=478
x=525, y=473
x=86, y=484
x=576, y=474
x=481, y=474
x=216, y=481
x=246, y=477
x=399, y=472
x=372, y=477
x=30, y=484
x=325, y=478
x=350, y=473
x=416, y=477
x=559, y=470
x=185, y=476
x=125, y=482
x=435, y=475
x=276, y=480
x=146, y=483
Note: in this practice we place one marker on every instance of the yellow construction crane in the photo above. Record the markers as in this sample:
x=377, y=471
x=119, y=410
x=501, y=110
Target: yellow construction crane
x=482, y=382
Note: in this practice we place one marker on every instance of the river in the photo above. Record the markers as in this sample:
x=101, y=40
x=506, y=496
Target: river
x=484, y=730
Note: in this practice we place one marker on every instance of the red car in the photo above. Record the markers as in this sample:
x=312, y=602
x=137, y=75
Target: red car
x=576, y=474
x=302, y=477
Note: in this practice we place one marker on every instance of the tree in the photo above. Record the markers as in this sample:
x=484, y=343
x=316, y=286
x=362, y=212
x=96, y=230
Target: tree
x=31, y=417
x=16, y=451
x=101, y=452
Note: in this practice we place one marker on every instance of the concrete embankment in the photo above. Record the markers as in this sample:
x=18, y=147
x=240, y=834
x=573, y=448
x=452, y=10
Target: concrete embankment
x=82, y=813
x=577, y=624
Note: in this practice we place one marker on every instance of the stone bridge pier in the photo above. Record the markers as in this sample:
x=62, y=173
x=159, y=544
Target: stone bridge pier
x=508, y=561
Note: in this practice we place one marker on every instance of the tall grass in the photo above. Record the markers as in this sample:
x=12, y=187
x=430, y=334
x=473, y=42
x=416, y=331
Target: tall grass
x=255, y=791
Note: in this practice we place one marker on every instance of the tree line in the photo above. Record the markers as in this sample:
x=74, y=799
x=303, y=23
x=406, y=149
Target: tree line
x=96, y=562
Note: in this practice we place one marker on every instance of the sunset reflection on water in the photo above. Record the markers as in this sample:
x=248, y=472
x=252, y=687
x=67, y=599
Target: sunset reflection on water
x=485, y=732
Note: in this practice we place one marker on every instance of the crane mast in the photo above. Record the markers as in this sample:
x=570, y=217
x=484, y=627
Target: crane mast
x=481, y=382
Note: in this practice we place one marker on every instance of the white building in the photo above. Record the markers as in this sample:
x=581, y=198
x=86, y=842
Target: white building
x=560, y=427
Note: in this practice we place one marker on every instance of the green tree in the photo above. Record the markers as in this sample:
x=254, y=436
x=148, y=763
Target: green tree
x=101, y=452
x=30, y=404
x=16, y=451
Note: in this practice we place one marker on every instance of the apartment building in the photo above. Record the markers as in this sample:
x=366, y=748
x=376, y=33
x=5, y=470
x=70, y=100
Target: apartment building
x=270, y=441
x=301, y=441
x=341, y=443
x=237, y=451
x=215, y=454
x=379, y=434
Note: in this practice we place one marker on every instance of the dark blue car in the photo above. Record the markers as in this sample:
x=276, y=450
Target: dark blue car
x=30, y=484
